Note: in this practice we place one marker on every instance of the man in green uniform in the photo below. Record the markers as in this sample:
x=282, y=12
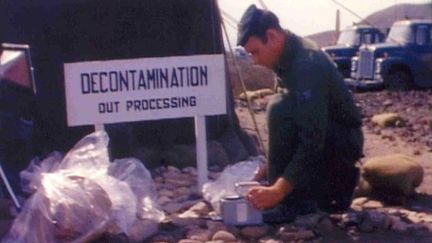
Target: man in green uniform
x=315, y=135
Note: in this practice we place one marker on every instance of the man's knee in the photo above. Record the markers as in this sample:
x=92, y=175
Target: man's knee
x=342, y=183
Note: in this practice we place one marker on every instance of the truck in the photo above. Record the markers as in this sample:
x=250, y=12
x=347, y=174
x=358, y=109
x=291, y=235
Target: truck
x=348, y=43
x=402, y=62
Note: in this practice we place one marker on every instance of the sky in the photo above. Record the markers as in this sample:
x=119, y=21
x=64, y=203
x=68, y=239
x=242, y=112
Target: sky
x=305, y=17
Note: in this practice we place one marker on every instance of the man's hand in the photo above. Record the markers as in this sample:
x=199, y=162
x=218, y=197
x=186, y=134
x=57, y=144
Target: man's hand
x=265, y=197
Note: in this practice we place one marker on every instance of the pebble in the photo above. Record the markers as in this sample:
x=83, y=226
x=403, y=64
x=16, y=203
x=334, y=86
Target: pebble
x=400, y=227
x=360, y=201
x=173, y=169
x=216, y=226
x=377, y=219
x=189, y=214
x=200, y=208
x=166, y=193
x=199, y=234
x=162, y=238
x=182, y=191
x=163, y=200
x=309, y=220
x=172, y=207
x=287, y=236
x=388, y=103
x=190, y=170
x=190, y=241
x=269, y=239
x=325, y=225
x=351, y=218
x=141, y=229
x=158, y=179
x=178, y=182
x=366, y=226
x=188, y=222
x=373, y=204
x=223, y=236
x=254, y=232
x=305, y=235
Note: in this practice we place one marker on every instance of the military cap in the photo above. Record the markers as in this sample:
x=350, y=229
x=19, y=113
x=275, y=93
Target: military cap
x=248, y=24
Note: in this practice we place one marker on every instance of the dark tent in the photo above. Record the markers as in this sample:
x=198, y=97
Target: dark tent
x=62, y=31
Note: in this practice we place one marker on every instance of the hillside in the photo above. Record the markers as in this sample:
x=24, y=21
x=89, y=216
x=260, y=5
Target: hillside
x=382, y=19
x=324, y=38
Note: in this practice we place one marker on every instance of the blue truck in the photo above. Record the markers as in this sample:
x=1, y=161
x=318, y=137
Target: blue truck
x=402, y=62
x=348, y=43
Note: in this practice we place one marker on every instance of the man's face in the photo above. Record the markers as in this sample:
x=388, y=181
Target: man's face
x=263, y=53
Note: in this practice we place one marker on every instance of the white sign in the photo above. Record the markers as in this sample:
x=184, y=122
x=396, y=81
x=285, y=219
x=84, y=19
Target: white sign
x=144, y=89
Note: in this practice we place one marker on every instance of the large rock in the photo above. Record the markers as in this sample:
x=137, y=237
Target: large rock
x=387, y=120
x=259, y=93
x=394, y=174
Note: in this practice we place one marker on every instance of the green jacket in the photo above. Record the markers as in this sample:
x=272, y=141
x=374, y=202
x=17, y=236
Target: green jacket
x=302, y=116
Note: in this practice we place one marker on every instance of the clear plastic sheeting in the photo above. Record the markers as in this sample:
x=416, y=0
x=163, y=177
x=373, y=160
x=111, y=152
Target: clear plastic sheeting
x=139, y=180
x=224, y=185
x=82, y=196
x=31, y=177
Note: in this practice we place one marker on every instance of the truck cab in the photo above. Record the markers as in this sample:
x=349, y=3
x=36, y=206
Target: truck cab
x=403, y=62
x=348, y=43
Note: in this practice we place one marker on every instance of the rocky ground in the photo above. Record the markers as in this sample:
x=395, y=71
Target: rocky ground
x=190, y=219
x=368, y=220
x=415, y=108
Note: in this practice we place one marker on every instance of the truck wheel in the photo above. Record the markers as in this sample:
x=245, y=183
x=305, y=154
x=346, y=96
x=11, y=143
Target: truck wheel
x=398, y=80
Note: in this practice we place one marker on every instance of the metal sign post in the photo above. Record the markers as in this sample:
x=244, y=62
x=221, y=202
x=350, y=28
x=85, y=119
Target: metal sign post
x=201, y=150
x=101, y=127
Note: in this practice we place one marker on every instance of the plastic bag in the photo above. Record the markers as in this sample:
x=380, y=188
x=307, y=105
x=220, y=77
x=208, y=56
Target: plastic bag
x=139, y=179
x=224, y=185
x=133, y=172
x=81, y=196
x=64, y=208
x=31, y=177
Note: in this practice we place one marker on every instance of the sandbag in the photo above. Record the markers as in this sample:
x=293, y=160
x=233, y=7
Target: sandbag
x=387, y=120
x=396, y=174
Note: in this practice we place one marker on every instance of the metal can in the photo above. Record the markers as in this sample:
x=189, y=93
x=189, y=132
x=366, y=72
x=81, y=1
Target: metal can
x=236, y=210
x=242, y=188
